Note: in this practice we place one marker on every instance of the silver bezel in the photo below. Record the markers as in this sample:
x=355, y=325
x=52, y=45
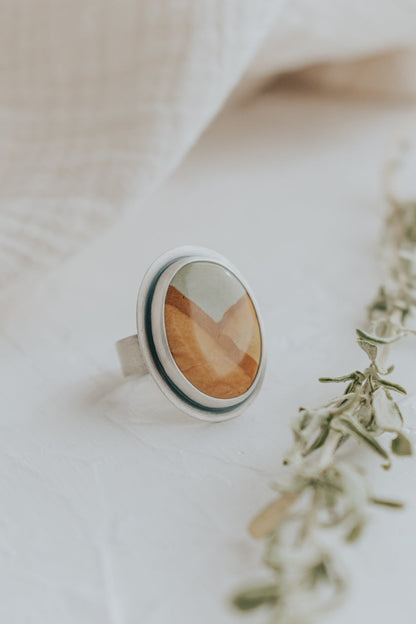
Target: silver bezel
x=155, y=349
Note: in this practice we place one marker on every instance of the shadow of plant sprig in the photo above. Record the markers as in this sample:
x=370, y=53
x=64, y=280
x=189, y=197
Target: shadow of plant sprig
x=322, y=491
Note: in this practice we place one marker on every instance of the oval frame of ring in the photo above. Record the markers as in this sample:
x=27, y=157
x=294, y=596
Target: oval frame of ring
x=154, y=344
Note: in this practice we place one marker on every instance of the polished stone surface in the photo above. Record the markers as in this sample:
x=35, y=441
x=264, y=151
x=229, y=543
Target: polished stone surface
x=212, y=330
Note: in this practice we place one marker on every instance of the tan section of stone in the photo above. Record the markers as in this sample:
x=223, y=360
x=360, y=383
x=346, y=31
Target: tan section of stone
x=209, y=354
x=241, y=325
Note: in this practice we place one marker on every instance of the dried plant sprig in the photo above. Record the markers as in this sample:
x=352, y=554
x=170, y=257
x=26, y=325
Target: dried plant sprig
x=321, y=491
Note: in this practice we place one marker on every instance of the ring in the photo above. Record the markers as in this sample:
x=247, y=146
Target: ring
x=199, y=334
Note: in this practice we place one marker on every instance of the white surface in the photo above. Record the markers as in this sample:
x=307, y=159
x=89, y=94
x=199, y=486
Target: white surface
x=100, y=100
x=116, y=508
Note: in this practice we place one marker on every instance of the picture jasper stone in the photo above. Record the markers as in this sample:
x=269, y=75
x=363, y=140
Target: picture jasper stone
x=212, y=330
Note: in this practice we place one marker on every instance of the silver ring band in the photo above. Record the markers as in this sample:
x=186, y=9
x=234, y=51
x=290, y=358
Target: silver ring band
x=130, y=356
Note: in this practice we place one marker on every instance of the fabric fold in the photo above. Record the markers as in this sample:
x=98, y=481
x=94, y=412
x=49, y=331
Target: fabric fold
x=99, y=101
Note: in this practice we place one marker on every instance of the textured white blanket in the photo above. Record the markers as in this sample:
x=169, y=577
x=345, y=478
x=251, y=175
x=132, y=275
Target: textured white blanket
x=99, y=100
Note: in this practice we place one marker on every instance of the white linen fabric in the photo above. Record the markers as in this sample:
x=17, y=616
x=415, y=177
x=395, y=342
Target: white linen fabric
x=99, y=100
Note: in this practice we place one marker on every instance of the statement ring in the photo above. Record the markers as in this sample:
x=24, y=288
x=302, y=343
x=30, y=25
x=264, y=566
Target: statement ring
x=199, y=334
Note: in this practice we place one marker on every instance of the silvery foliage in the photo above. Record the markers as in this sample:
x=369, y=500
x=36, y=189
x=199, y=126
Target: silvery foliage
x=321, y=491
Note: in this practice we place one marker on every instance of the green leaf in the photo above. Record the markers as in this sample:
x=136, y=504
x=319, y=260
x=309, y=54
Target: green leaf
x=369, y=348
x=400, y=445
x=316, y=574
x=343, y=438
x=377, y=340
x=387, y=412
x=355, y=532
x=256, y=597
x=389, y=370
x=380, y=302
x=355, y=376
x=387, y=503
x=361, y=434
x=305, y=418
x=392, y=386
x=345, y=403
x=319, y=440
x=336, y=379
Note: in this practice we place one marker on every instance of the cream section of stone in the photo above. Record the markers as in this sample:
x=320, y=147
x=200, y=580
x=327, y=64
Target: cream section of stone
x=212, y=287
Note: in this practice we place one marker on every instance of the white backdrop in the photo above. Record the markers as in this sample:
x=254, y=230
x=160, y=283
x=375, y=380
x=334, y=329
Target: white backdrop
x=116, y=508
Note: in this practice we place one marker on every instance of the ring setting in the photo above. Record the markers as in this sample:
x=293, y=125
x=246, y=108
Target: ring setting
x=199, y=334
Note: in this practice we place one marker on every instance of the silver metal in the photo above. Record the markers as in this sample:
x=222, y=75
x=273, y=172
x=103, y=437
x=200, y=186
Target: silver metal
x=148, y=351
x=130, y=355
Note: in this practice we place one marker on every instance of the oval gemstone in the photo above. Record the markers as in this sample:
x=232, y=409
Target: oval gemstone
x=212, y=329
